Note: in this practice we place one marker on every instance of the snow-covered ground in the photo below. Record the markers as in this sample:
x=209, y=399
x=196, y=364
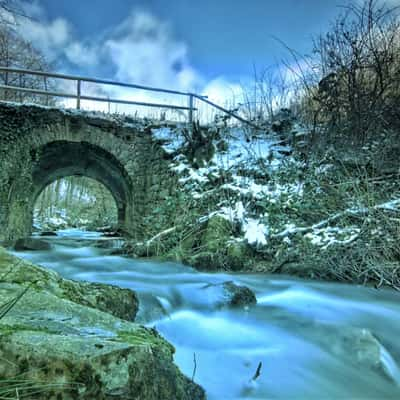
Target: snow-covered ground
x=246, y=173
x=245, y=165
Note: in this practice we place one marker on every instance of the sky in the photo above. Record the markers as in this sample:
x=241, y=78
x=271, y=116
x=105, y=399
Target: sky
x=207, y=46
x=222, y=37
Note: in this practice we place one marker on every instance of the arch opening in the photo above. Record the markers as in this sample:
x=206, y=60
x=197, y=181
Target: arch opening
x=62, y=164
x=75, y=202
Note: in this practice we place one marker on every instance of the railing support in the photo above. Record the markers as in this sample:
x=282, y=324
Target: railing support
x=45, y=88
x=78, y=94
x=6, y=83
x=190, y=119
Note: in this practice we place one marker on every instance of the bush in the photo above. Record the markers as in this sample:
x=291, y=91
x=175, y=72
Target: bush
x=358, y=67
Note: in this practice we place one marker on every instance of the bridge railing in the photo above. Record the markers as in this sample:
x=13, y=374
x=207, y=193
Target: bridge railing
x=79, y=96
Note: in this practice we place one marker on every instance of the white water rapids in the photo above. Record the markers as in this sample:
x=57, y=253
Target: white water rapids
x=315, y=340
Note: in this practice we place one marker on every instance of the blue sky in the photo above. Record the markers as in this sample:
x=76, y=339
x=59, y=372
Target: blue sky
x=223, y=37
x=208, y=46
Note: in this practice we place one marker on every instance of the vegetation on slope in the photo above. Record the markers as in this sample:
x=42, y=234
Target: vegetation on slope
x=315, y=191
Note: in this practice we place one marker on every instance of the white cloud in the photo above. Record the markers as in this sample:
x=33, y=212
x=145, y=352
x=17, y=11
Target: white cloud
x=224, y=92
x=142, y=49
x=82, y=55
x=50, y=38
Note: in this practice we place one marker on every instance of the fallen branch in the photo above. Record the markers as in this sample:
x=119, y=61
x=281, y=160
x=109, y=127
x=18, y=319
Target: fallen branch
x=4, y=276
x=258, y=372
x=194, y=366
x=160, y=234
x=6, y=307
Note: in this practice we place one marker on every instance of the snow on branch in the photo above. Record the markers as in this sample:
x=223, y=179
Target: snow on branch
x=292, y=230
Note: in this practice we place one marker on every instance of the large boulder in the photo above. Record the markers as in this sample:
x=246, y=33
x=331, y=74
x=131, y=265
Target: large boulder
x=31, y=244
x=48, y=233
x=361, y=348
x=54, y=348
x=121, y=303
x=228, y=294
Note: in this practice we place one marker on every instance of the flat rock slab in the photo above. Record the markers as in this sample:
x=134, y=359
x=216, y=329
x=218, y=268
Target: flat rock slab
x=54, y=348
x=121, y=303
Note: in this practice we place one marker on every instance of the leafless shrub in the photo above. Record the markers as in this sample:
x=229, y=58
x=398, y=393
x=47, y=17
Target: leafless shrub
x=18, y=53
x=273, y=89
x=358, y=63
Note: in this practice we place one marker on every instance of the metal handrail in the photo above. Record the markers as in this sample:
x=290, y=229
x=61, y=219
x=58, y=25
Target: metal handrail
x=93, y=98
x=232, y=114
x=87, y=79
x=78, y=96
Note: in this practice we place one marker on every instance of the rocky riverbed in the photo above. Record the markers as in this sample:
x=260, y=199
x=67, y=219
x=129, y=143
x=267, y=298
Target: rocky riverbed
x=294, y=339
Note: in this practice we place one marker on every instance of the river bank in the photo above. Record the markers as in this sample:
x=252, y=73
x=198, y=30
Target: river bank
x=327, y=340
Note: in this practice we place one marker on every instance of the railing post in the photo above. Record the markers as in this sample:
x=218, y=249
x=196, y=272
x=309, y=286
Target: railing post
x=45, y=88
x=190, y=109
x=78, y=94
x=5, y=96
x=21, y=100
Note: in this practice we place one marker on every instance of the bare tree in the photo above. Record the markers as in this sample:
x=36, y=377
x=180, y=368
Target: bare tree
x=9, y=9
x=16, y=52
x=19, y=53
x=359, y=64
x=270, y=92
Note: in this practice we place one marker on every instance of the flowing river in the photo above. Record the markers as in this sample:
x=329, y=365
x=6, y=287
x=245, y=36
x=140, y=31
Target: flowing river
x=315, y=340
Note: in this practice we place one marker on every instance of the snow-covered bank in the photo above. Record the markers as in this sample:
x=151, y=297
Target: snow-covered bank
x=280, y=209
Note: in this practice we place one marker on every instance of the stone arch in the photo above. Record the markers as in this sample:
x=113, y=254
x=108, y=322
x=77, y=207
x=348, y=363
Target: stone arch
x=60, y=159
x=122, y=152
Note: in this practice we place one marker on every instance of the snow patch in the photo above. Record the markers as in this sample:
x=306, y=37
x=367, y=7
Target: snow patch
x=255, y=232
x=172, y=140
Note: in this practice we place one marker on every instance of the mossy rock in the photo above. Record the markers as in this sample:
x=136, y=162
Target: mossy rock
x=238, y=254
x=218, y=250
x=58, y=349
x=216, y=234
x=84, y=353
x=31, y=244
x=207, y=261
x=229, y=294
x=121, y=303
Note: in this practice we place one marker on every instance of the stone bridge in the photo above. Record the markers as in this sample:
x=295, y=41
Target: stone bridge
x=39, y=145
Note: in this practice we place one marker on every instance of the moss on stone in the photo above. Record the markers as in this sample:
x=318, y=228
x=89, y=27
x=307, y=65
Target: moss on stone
x=83, y=352
x=216, y=234
x=237, y=254
x=144, y=337
x=122, y=303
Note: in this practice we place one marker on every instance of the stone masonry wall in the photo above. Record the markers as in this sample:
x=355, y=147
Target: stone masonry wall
x=26, y=131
